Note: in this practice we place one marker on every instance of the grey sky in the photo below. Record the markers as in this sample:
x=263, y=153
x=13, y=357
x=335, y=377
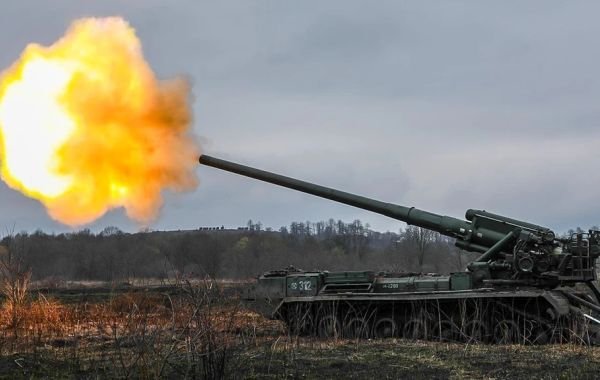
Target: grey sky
x=442, y=105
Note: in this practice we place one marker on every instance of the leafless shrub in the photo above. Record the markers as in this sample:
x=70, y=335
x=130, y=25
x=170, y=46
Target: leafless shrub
x=14, y=282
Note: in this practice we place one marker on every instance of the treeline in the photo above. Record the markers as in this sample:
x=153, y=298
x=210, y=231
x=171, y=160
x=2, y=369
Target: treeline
x=113, y=255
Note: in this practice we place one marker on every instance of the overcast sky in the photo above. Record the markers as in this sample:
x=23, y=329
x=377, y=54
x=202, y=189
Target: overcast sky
x=443, y=105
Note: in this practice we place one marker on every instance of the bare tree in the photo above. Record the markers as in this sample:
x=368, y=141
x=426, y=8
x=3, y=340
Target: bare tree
x=422, y=239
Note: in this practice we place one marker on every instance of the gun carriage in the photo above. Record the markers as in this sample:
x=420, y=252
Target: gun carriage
x=527, y=285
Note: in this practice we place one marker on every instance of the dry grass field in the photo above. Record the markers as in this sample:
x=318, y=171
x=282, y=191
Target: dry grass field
x=199, y=330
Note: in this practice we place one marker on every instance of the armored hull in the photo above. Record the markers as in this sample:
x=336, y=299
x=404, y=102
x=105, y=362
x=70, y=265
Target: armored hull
x=446, y=308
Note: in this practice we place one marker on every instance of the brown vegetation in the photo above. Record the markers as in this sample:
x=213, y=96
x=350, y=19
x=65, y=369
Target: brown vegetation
x=196, y=331
x=143, y=334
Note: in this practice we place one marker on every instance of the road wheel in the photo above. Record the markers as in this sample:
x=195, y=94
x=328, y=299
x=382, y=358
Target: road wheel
x=446, y=331
x=329, y=327
x=474, y=331
x=506, y=332
x=385, y=328
x=300, y=323
x=414, y=329
x=540, y=336
x=357, y=328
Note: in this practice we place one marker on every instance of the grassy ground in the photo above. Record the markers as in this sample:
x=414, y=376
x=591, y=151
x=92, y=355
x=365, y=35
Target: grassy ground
x=390, y=359
x=393, y=359
x=198, y=331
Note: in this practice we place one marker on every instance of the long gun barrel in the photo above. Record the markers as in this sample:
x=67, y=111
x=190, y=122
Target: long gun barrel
x=511, y=250
x=480, y=232
x=443, y=224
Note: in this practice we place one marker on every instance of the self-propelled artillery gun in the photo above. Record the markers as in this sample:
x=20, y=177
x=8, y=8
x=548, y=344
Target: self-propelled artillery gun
x=527, y=285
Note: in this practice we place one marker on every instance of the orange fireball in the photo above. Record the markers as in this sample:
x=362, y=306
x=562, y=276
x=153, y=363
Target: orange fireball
x=85, y=126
